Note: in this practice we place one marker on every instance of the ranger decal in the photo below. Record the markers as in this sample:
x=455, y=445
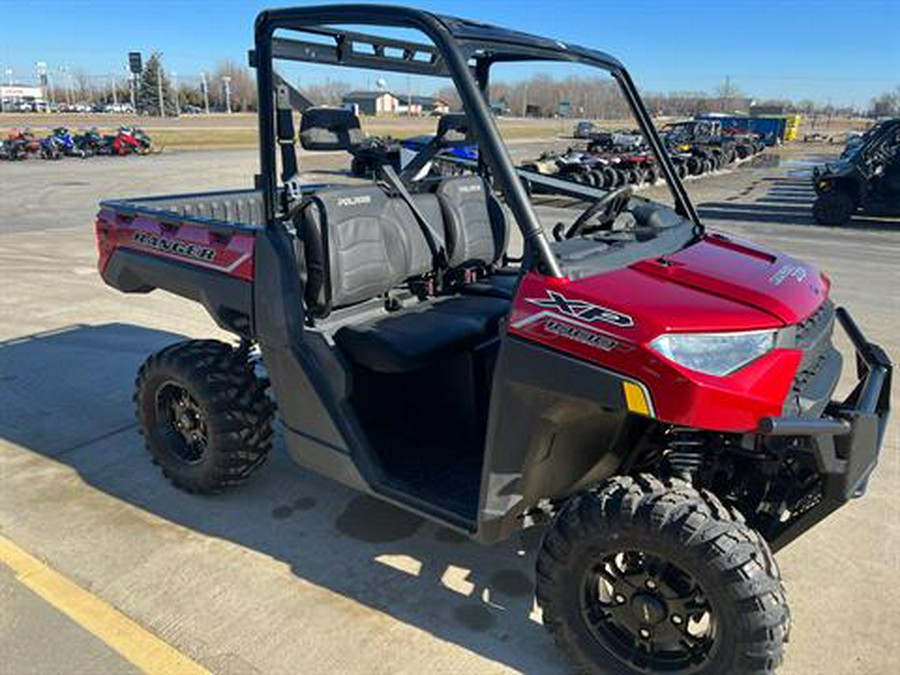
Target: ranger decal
x=176, y=246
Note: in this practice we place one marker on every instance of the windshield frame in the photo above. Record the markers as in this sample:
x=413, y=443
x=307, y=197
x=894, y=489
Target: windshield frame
x=465, y=52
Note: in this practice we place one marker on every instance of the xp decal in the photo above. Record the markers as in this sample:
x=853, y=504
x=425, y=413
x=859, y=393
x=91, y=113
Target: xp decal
x=580, y=309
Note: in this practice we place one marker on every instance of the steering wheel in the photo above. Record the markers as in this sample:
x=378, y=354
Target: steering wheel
x=604, y=210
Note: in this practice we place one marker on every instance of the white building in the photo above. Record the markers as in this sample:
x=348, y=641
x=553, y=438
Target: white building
x=19, y=98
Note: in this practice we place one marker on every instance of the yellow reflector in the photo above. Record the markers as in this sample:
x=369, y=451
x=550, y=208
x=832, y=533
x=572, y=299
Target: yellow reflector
x=636, y=399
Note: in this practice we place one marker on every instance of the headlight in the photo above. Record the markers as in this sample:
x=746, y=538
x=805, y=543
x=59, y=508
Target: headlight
x=714, y=353
x=823, y=184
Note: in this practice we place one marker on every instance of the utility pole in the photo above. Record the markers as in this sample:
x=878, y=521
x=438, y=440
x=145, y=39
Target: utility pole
x=204, y=86
x=115, y=96
x=159, y=87
x=132, y=85
x=226, y=80
x=9, y=74
x=175, y=89
x=67, y=83
x=525, y=100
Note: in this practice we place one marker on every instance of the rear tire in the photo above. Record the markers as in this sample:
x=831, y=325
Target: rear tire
x=670, y=557
x=611, y=177
x=204, y=415
x=694, y=166
x=834, y=207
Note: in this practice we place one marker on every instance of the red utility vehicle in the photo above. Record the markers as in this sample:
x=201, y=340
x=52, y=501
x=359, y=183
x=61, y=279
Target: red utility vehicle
x=657, y=396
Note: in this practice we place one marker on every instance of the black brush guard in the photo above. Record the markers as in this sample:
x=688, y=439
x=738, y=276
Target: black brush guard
x=846, y=443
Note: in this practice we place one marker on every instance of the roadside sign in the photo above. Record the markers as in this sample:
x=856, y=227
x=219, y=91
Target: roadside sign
x=134, y=62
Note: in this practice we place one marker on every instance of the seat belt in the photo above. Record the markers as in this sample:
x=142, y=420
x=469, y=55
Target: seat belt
x=284, y=136
x=438, y=253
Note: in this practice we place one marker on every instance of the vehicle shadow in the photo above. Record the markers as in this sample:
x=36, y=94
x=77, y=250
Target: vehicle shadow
x=480, y=598
x=787, y=200
x=782, y=212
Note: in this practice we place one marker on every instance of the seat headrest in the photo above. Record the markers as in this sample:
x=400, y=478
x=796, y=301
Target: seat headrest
x=329, y=129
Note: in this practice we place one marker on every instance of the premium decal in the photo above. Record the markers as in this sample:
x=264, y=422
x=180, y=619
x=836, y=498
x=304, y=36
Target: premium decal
x=582, y=335
x=795, y=272
x=582, y=310
x=176, y=246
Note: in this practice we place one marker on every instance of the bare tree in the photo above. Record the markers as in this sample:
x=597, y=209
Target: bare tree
x=886, y=104
x=332, y=92
x=242, y=84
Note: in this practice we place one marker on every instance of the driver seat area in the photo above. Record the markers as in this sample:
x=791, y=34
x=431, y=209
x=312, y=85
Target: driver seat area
x=357, y=245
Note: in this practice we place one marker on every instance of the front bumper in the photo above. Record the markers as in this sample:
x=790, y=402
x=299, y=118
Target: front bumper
x=846, y=441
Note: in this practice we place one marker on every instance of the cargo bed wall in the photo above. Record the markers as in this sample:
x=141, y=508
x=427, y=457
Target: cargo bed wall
x=230, y=206
x=198, y=246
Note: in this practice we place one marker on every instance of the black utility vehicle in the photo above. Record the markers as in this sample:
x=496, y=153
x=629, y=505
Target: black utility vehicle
x=865, y=179
x=657, y=396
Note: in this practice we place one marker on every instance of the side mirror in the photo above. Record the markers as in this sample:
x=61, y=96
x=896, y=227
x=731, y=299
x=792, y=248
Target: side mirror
x=559, y=231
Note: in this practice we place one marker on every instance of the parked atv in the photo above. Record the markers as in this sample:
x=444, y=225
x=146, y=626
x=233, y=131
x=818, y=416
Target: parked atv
x=658, y=397
x=92, y=142
x=66, y=144
x=130, y=140
x=866, y=179
x=372, y=153
x=21, y=144
x=51, y=148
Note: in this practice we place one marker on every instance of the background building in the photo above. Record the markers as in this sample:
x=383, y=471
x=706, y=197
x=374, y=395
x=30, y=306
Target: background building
x=20, y=98
x=371, y=102
x=385, y=103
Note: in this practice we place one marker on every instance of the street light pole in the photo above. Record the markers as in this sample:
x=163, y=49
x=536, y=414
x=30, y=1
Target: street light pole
x=204, y=85
x=175, y=89
x=227, y=82
x=132, y=85
x=159, y=87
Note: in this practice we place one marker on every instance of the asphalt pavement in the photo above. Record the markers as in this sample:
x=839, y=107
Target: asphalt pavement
x=292, y=573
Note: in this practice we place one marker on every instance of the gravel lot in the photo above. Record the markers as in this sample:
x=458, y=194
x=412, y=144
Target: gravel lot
x=293, y=573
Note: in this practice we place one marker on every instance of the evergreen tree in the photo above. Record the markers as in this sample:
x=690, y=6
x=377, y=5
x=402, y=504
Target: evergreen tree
x=148, y=89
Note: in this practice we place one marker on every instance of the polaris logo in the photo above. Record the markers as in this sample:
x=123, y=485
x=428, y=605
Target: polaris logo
x=585, y=311
x=466, y=189
x=175, y=246
x=354, y=201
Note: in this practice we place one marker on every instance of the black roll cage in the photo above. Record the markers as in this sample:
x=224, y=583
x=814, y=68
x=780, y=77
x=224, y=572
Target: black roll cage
x=457, y=43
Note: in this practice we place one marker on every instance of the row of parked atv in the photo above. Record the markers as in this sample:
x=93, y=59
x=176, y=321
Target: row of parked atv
x=614, y=159
x=22, y=144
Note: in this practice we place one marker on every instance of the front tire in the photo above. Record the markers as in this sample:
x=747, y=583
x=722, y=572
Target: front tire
x=204, y=415
x=834, y=207
x=643, y=575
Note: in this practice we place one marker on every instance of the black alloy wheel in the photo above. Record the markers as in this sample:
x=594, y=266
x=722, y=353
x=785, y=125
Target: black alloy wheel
x=646, y=575
x=183, y=422
x=651, y=612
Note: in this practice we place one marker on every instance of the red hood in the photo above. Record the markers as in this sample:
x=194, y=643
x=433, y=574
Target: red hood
x=742, y=272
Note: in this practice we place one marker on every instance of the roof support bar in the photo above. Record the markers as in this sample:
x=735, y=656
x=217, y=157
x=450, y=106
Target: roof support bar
x=356, y=50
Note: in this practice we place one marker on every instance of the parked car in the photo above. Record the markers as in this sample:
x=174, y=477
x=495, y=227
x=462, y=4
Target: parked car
x=584, y=130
